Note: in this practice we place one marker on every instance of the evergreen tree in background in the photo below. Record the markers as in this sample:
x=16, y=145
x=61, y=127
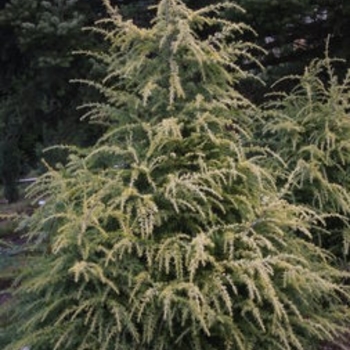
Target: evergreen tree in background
x=168, y=233
x=37, y=103
x=10, y=169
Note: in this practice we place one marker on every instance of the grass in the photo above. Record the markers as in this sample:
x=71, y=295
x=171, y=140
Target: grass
x=12, y=256
x=7, y=229
x=12, y=253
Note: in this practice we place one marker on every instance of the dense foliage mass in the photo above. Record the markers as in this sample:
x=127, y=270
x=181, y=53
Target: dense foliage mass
x=310, y=129
x=36, y=63
x=177, y=229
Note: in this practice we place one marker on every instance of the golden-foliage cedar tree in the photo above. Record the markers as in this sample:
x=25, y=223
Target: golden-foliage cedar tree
x=168, y=233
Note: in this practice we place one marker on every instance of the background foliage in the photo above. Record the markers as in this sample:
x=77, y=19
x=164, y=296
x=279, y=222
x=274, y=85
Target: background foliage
x=37, y=104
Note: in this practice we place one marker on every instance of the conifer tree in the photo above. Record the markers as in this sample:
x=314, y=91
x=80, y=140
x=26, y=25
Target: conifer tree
x=167, y=233
x=310, y=129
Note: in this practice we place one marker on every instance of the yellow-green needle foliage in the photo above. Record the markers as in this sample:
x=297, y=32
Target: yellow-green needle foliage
x=168, y=234
x=310, y=129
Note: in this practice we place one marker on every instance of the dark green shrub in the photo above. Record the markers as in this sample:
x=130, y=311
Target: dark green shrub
x=10, y=169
